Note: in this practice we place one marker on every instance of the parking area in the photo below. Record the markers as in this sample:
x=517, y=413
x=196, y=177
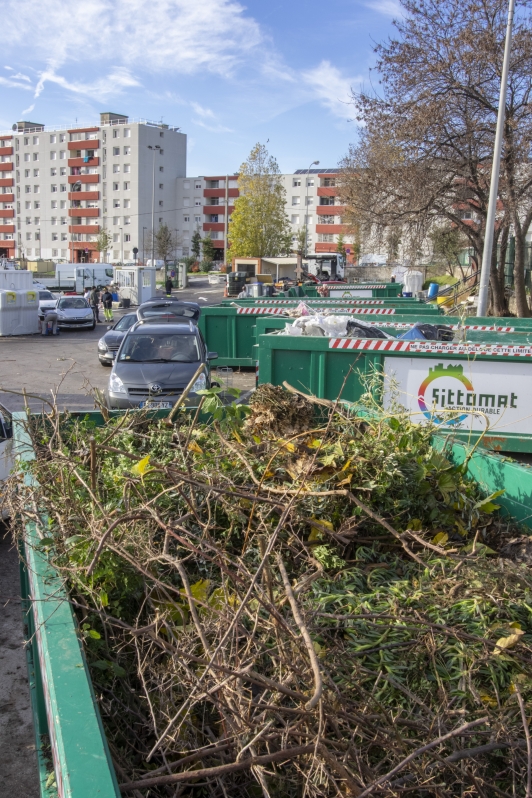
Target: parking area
x=68, y=364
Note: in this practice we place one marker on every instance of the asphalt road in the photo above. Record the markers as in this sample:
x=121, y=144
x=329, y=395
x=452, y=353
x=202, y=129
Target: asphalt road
x=67, y=365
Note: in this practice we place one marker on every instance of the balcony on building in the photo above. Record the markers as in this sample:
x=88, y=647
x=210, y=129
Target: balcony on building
x=219, y=210
x=84, y=178
x=7, y=166
x=85, y=144
x=6, y=181
x=84, y=212
x=83, y=195
x=7, y=228
x=212, y=226
x=7, y=198
x=220, y=192
x=84, y=228
x=324, y=210
x=6, y=151
x=92, y=160
x=326, y=191
x=7, y=213
x=331, y=228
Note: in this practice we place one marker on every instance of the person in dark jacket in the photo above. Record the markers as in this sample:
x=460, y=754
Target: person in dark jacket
x=95, y=303
x=107, y=301
x=169, y=285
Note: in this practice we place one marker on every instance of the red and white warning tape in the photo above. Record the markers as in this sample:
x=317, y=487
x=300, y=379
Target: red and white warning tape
x=437, y=347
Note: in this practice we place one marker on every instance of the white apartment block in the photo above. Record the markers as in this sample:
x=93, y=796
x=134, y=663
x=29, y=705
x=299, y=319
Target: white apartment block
x=60, y=187
x=311, y=203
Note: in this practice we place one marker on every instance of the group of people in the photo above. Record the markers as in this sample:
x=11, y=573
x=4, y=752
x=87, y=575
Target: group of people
x=94, y=297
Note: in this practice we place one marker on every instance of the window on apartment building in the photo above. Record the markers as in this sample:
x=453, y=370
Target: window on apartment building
x=116, y=133
x=198, y=202
x=127, y=185
x=295, y=218
x=161, y=169
x=161, y=185
x=36, y=139
x=28, y=236
x=160, y=203
x=213, y=217
x=309, y=200
x=27, y=205
x=160, y=219
x=161, y=135
x=127, y=203
x=326, y=238
x=127, y=167
x=55, y=237
x=62, y=137
x=63, y=187
x=36, y=189
x=63, y=204
x=64, y=236
x=296, y=182
x=185, y=252
x=466, y=215
x=161, y=152
x=53, y=189
x=37, y=220
x=53, y=138
x=53, y=220
x=127, y=237
x=310, y=181
x=54, y=253
x=186, y=183
x=308, y=219
x=35, y=156
x=62, y=155
x=116, y=150
x=27, y=189
x=186, y=218
x=75, y=137
x=28, y=219
x=63, y=220
x=27, y=156
x=127, y=150
x=62, y=171
x=198, y=185
x=127, y=133
x=115, y=186
x=116, y=220
x=186, y=202
x=53, y=155
x=27, y=172
x=127, y=219
x=329, y=181
x=116, y=203
x=214, y=201
x=326, y=200
x=26, y=140
x=115, y=238
x=325, y=219
x=296, y=200
x=116, y=168
x=197, y=219
x=53, y=172
x=35, y=173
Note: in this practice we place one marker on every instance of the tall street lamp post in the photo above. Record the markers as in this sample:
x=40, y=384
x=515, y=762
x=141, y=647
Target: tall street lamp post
x=156, y=147
x=121, y=245
x=143, y=250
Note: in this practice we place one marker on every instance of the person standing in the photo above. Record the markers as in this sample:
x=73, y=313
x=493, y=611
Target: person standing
x=95, y=303
x=107, y=302
x=169, y=285
x=87, y=294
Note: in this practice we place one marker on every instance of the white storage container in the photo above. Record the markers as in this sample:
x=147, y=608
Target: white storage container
x=413, y=282
x=15, y=280
x=19, y=312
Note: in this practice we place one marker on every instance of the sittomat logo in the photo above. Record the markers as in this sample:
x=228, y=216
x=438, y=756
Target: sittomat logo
x=444, y=397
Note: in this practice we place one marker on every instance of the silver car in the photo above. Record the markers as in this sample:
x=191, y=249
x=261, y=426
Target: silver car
x=74, y=312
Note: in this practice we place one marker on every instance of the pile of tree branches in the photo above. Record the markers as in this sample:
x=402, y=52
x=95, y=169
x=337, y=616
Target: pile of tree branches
x=317, y=614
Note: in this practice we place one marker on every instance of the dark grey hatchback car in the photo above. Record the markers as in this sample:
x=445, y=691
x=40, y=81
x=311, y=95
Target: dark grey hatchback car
x=156, y=360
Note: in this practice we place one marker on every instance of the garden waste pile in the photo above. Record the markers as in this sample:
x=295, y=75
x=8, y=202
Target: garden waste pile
x=313, y=608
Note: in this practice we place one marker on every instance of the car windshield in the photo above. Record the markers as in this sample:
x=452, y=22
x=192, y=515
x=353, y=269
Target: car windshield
x=146, y=348
x=126, y=322
x=167, y=310
x=72, y=303
x=45, y=295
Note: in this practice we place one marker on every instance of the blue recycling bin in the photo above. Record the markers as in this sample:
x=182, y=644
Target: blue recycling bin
x=433, y=290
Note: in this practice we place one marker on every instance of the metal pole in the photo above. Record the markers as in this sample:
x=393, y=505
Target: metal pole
x=121, y=245
x=226, y=212
x=314, y=163
x=494, y=186
x=143, y=250
x=156, y=147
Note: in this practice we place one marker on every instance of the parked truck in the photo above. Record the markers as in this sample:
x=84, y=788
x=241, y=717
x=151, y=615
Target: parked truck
x=77, y=277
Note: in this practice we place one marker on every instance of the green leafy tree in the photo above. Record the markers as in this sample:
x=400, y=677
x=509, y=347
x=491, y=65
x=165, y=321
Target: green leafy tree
x=300, y=241
x=195, y=244
x=447, y=244
x=259, y=225
x=208, y=248
x=104, y=241
x=340, y=246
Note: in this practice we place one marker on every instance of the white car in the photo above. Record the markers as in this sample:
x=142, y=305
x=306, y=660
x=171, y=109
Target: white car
x=74, y=312
x=47, y=301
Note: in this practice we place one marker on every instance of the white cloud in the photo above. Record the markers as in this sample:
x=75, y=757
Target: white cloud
x=107, y=86
x=391, y=8
x=14, y=84
x=27, y=110
x=10, y=68
x=203, y=112
x=208, y=120
x=331, y=87
x=180, y=36
x=20, y=76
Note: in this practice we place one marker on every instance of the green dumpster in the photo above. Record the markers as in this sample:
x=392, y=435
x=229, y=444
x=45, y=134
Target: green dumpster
x=470, y=391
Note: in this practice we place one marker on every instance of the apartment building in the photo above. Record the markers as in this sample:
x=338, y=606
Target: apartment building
x=60, y=187
x=311, y=202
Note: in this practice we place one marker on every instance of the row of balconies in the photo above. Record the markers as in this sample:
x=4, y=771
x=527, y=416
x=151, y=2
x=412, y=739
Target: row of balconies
x=88, y=144
x=220, y=192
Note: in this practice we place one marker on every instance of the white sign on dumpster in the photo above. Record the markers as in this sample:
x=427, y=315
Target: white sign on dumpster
x=342, y=293
x=460, y=395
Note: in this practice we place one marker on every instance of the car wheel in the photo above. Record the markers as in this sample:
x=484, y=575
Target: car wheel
x=93, y=325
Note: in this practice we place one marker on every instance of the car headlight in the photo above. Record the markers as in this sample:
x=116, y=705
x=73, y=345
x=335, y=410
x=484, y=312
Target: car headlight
x=89, y=314
x=115, y=384
x=200, y=384
x=102, y=345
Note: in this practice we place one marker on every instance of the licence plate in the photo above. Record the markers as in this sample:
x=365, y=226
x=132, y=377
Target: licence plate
x=156, y=405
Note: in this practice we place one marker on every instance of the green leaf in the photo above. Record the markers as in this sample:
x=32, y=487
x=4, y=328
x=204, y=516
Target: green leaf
x=142, y=466
x=50, y=781
x=118, y=670
x=486, y=505
x=104, y=598
x=45, y=542
x=94, y=634
x=101, y=664
x=73, y=540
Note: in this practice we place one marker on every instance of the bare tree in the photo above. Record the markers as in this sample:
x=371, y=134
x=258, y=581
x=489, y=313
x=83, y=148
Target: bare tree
x=425, y=151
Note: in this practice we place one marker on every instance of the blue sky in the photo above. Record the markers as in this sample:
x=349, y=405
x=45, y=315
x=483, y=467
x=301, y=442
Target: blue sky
x=228, y=74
